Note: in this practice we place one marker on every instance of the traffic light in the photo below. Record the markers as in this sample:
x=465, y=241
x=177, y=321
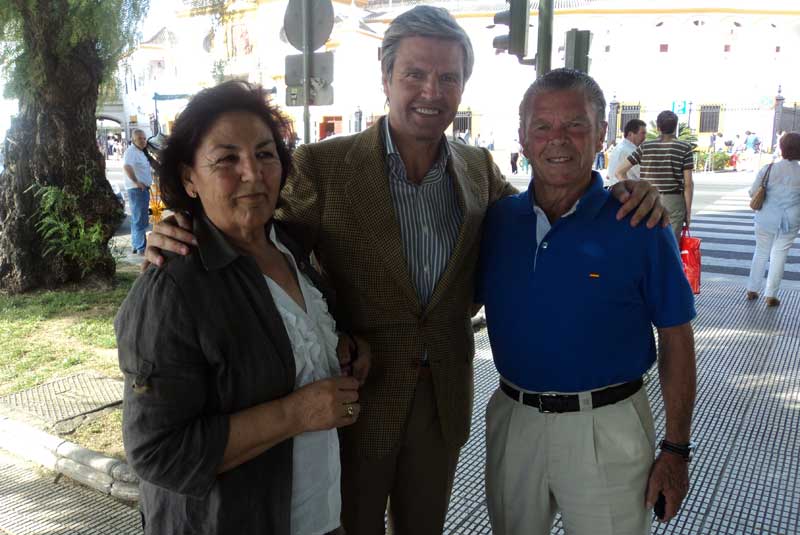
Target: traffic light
x=516, y=18
x=577, y=50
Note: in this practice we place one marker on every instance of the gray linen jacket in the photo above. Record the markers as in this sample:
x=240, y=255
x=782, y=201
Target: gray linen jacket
x=198, y=340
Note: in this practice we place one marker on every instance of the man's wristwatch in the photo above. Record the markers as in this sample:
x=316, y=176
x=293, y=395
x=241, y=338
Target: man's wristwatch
x=683, y=450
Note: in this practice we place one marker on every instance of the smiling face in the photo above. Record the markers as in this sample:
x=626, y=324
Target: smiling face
x=236, y=173
x=561, y=136
x=425, y=88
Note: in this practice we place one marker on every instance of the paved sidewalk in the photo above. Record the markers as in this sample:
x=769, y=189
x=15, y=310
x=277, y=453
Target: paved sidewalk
x=33, y=502
x=745, y=477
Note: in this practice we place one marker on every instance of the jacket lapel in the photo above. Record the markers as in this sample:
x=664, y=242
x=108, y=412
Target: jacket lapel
x=371, y=201
x=468, y=196
x=216, y=253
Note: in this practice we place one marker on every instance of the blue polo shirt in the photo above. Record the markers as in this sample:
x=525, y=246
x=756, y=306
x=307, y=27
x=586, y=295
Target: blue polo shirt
x=576, y=312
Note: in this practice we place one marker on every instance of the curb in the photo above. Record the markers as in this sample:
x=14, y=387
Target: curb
x=105, y=474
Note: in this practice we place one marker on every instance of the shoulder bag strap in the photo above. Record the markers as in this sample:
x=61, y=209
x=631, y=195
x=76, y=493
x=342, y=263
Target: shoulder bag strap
x=765, y=180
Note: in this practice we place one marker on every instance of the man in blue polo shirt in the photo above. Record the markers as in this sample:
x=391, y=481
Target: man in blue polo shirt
x=571, y=296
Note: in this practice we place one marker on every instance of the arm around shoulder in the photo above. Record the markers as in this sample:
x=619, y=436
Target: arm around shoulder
x=300, y=206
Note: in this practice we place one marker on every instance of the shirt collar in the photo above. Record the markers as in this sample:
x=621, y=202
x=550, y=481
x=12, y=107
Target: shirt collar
x=214, y=249
x=391, y=149
x=588, y=205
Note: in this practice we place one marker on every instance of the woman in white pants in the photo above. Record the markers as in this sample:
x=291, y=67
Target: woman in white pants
x=778, y=221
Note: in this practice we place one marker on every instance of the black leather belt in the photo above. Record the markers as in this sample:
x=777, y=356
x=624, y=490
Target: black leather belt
x=570, y=402
x=672, y=193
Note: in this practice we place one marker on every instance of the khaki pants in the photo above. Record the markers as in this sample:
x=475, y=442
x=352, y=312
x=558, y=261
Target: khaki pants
x=675, y=205
x=592, y=466
x=417, y=478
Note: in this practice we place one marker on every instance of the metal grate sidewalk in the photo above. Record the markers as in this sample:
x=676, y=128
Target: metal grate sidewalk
x=32, y=504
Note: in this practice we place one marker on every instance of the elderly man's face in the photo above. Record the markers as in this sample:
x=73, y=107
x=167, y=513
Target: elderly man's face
x=425, y=89
x=561, y=137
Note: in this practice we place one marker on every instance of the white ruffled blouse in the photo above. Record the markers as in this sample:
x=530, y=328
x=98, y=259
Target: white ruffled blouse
x=316, y=473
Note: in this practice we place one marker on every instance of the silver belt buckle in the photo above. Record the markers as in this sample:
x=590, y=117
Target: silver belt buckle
x=541, y=408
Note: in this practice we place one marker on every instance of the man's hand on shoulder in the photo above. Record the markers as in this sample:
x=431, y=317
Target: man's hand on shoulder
x=641, y=196
x=170, y=234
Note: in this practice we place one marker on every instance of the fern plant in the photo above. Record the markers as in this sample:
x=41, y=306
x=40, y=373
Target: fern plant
x=64, y=230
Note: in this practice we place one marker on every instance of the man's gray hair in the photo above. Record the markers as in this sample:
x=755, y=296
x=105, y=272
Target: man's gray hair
x=138, y=131
x=565, y=79
x=425, y=21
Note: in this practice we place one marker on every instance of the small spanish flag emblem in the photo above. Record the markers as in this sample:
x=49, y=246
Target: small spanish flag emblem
x=594, y=275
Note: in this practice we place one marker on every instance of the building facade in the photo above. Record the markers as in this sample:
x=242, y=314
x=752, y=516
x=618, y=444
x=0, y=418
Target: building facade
x=719, y=68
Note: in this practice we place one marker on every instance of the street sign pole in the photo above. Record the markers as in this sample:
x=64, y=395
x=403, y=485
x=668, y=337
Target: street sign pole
x=306, y=70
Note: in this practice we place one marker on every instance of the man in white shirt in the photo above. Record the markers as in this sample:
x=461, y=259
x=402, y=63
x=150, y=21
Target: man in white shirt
x=138, y=178
x=635, y=131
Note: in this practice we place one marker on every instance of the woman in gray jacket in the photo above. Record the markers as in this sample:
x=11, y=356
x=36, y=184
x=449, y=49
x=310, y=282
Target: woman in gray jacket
x=233, y=386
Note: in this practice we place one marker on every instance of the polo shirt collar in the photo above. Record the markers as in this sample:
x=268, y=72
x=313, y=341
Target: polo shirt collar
x=588, y=205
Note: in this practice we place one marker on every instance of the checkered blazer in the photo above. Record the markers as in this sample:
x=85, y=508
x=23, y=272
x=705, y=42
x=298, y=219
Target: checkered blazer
x=338, y=204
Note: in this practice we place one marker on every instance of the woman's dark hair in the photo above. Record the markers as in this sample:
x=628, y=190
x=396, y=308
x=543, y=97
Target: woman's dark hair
x=790, y=146
x=194, y=122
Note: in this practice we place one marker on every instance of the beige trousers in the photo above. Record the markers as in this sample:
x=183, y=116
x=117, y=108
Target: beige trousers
x=592, y=466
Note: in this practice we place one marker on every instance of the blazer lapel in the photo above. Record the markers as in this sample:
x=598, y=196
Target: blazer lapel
x=368, y=190
x=468, y=196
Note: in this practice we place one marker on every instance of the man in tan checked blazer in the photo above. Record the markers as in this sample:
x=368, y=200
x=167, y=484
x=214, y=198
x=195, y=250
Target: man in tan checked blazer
x=379, y=209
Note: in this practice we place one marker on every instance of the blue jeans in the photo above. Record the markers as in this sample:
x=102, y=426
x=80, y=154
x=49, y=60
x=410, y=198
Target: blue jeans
x=140, y=216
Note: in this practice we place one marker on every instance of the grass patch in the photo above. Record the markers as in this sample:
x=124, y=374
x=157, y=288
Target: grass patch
x=50, y=334
x=103, y=433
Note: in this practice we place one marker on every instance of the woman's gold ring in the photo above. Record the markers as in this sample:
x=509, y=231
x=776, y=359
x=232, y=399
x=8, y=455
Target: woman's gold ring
x=350, y=411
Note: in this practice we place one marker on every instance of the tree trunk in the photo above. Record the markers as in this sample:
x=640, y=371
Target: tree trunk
x=52, y=143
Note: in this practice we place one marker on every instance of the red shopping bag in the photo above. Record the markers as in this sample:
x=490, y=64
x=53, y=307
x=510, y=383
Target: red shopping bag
x=690, y=256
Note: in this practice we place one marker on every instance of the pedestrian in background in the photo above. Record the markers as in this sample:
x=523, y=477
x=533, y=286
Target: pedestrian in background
x=778, y=221
x=524, y=164
x=138, y=179
x=635, y=132
x=515, y=157
x=667, y=162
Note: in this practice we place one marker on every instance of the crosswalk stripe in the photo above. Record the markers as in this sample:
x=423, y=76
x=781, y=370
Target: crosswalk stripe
x=727, y=230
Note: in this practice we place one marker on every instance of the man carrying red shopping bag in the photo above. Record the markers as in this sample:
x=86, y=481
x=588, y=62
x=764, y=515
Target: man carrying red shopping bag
x=690, y=256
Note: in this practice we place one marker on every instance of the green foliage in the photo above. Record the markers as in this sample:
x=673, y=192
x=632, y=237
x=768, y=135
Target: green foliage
x=64, y=230
x=218, y=70
x=719, y=161
x=50, y=333
x=109, y=27
x=684, y=133
x=97, y=332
